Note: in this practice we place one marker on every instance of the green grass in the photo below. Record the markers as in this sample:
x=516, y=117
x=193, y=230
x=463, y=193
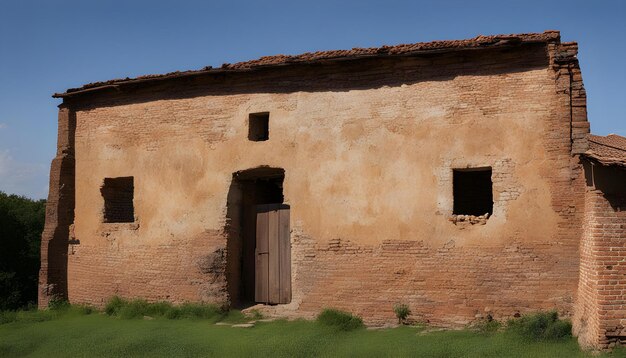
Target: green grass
x=133, y=309
x=72, y=332
x=130, y=309
x=34, y=316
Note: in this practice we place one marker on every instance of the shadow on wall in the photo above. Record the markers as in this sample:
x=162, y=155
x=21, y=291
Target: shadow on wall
x=610, y=181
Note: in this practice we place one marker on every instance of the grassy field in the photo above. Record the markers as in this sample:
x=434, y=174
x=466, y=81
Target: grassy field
x=74, y=333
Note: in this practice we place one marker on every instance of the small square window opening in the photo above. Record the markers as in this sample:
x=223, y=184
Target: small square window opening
x=118, y=196
x=473, y=192
x=258, y=126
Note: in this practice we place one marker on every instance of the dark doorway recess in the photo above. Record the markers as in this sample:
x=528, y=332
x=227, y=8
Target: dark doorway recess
x=249, y=188
x=473, y=193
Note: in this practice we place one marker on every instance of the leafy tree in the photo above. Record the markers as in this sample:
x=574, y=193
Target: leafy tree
x=21, y=224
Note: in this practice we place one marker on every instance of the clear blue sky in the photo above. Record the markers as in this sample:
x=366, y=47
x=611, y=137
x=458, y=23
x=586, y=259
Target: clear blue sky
x=48, y=46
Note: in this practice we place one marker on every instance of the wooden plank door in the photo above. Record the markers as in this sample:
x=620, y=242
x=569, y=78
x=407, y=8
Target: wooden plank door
x=284, y=242
x=261, y=272
x=273, y=254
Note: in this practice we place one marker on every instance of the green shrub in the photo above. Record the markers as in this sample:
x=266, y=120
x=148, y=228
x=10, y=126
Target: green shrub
x=58, y=304
x=155, y=309
x=342, y=320
x=541, y=326
x=84, y=309
x=619, y=351
x=114, y=305
x=402, y=312
x=8, y=317
x=488, y=325
x=139, y=308
x=558, y=330
x=133, y=309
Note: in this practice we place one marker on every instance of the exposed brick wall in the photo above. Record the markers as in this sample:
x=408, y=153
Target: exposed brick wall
x=564, y=61
x=178, y=271
x=59, y=213
x=448, y=286
x=600, y=319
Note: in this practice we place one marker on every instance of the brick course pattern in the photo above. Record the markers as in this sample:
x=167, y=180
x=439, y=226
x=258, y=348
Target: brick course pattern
x=602, y=290
x=600, y=317
x=367, y=139
x=59, y=214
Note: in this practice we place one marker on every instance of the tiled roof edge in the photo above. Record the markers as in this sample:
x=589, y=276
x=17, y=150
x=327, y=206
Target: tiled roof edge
x=608, y=150
x=478, y=42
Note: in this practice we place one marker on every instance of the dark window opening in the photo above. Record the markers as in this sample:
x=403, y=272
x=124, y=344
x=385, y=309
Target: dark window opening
x=259, y=126
x=473, y=194
x=118, y=200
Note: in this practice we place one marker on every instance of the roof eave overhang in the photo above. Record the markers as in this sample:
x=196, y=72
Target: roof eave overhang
x=604, y=160
x=208, y=71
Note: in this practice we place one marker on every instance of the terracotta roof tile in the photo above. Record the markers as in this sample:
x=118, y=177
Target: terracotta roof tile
x=609, y=150
x=309, y=57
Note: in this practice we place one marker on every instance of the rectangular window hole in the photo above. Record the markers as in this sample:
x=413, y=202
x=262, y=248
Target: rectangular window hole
x=473, y=191
x=118, y=196
x=259, y=126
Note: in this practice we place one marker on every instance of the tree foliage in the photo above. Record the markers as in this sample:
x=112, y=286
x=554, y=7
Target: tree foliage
x=21, y=224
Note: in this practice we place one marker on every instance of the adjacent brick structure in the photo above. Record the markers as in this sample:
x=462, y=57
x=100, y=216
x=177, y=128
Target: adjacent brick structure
x=600, y=319
x=366, y=142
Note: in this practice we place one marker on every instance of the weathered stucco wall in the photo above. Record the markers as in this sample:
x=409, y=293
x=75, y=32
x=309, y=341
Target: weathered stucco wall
x=368, y=150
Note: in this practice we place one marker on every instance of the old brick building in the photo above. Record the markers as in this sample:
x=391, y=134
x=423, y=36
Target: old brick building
x=600, y=310
x=446, y=175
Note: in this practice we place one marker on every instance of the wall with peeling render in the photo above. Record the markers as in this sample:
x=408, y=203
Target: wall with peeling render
x=368, y=149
